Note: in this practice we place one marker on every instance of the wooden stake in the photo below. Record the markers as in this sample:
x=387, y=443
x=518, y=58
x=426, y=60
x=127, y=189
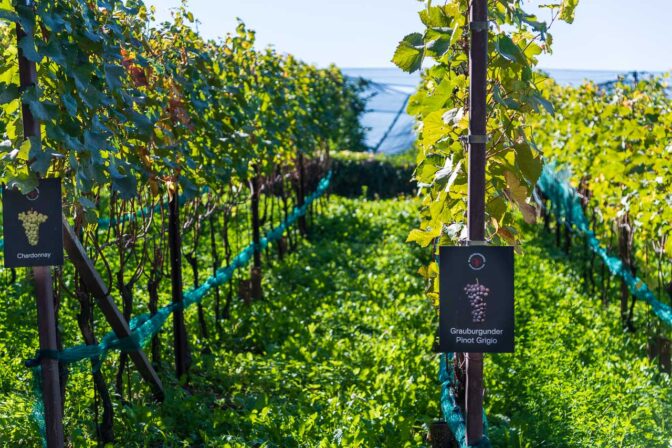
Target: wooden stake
x=51, y=391
x=179, y=328
x=440, y=436
x=301, y=194
x=478, y=64
x=255, y=272
x=46, y=317
x=94, y=283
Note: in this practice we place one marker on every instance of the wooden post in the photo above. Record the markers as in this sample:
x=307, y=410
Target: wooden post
x=440, y=436
x=624, y=255
x=51, y=391
x=660, y=350
x=46, y=317
x=255, y=274
x=301, y=194
x=478, y=64
x=179, y=328
x=95, y=285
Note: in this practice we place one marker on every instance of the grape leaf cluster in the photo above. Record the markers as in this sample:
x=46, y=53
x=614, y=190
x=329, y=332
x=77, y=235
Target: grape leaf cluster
x=441, y=107
x=613, y=141
x=140, y=107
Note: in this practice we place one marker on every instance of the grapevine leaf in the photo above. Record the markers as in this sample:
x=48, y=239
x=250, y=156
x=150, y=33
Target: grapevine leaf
x=113, y=75
x=409, y=53
x=40, y=160
x=544, y=103
x=70, y=104
x=82, y=77
x=519, y=194
x=517, y=191
x=453, y=116
x=25, y=181
x=529, y=165
x=496, y=208
x=531, y=20
x=450, y=171
x=424, y=272
x=446, y=171
x=143, y=123
x=40, y=111
x=54, y=52
x=436, y=127
x=24, y=150
x=439, y=43
x=8, y=15
x=426, y=169
x=434, y=17
x=509, y=50
x=423, y=238
x=53, y=21
x=507, y=102
x=26, y=18
x=506, y=235
x=8, y=93
x=529, y=212
x=567, y=10
x=86, y=202
x=429, y=272
x=27, y=46
x=125, y=184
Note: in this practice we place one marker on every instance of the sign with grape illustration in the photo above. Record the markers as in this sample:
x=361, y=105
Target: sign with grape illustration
x=32, y=225
x=476, y=299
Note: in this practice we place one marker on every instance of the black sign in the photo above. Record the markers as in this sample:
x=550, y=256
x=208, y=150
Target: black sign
x=476, y=291
x=33, y=226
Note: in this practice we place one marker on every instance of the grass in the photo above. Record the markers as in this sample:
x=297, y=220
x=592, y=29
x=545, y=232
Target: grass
x=336, y=353
x=339, y=354
x=577, y=378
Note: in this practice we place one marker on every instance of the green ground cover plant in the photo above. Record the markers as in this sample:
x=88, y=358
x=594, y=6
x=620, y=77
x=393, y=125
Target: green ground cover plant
x=578, y=378
x=339, y=354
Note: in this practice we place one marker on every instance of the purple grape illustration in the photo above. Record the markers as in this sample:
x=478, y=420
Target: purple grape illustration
x=476, y=294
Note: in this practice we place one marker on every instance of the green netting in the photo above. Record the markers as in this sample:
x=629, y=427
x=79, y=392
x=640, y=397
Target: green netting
x=38, y=405
x=451, y=411
x=566, y=204
x=144, y=327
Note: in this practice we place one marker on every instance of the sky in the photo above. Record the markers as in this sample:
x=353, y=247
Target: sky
x=616, y=35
